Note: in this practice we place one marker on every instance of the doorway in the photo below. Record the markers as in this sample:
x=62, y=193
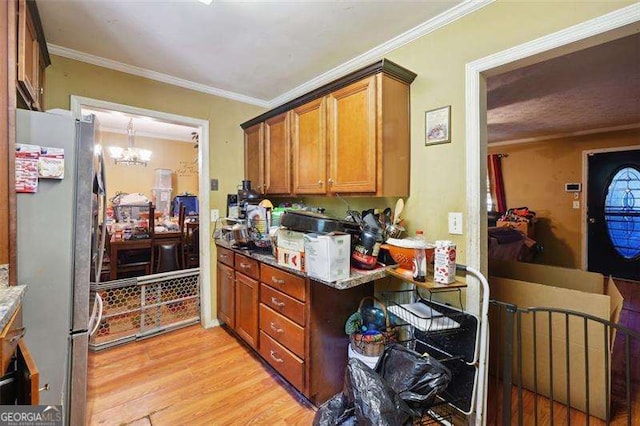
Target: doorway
x=613, y=213
x=202, y=126
x=608, y=27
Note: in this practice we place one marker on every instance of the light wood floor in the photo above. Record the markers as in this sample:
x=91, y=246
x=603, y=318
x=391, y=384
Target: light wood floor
x=630, y=318
x=195, y=376
x=190, y=377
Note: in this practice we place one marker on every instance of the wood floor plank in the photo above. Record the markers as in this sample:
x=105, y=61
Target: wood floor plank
x=190, y=376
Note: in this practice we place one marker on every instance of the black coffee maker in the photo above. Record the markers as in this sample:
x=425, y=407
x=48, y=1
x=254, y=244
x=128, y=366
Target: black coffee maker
x=246, y=196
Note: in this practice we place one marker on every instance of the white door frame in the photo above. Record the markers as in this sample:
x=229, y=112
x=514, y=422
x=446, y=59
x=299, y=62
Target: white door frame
x=585, y=186
x=616, y=24
x=77, y=102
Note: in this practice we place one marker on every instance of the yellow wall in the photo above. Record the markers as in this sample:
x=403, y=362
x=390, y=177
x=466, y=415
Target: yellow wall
x=177, y=156
x=67, y=77
x=534, y=176
x=438, y=181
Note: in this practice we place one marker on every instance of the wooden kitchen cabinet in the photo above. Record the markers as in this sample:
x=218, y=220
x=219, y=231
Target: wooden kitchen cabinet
x=20, y=376
x=8, y=48
x=277, y=155
x=294, y=323
x=267, y=148
x=33, y=56
x=352, y=137
x=247, y=309
x=254, y=156
x=226, y=294
x=309, y=140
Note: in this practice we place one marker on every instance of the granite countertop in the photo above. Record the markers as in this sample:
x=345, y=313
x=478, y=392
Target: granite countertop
x=358, y=276
x=4, y=276
x=10, y=299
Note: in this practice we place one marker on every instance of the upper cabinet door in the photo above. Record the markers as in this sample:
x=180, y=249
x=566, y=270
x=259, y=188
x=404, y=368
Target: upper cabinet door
x=310, y=148
x=254, y=156
x=352, y=137
x=277, y=155
x=28, y=55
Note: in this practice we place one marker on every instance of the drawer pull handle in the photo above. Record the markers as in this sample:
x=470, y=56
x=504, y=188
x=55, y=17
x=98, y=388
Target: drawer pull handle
x=277, y=281
x=276, y=302
x=45, y=388
x=244, y=265
x=223, y=256
x=276, y=328
x=274, y=357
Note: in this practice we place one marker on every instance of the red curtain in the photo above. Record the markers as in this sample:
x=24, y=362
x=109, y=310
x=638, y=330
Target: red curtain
x=496, y=182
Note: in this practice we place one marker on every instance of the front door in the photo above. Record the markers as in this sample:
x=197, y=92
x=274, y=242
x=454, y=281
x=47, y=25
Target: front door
x=613, y=214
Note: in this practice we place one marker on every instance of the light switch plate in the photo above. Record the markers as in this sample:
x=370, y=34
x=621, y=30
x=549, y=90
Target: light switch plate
x=455, y=223
x=215, y=215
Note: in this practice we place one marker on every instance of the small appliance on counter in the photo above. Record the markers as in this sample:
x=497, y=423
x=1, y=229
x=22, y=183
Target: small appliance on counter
x=246, y=196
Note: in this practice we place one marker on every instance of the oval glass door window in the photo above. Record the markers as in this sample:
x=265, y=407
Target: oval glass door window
x=622, y=212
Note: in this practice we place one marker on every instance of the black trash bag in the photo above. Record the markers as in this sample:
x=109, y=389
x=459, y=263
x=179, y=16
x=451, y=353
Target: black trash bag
x=337, y=411
x=416, y=379
x=374, y=401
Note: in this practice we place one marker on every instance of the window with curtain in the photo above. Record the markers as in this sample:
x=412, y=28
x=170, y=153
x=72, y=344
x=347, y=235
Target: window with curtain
x=496, y=199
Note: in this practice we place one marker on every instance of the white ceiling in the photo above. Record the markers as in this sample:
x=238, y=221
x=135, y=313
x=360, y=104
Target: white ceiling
x=592, y=90
x=117, y=122
x=255, y=51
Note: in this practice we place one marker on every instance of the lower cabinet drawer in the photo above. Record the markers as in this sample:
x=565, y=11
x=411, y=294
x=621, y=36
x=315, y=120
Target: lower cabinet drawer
x=282, y=330
x=286, y=363
x=283, y=304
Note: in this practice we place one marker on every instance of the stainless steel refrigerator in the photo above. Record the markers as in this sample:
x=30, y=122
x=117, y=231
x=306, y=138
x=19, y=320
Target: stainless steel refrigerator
x=57, y=250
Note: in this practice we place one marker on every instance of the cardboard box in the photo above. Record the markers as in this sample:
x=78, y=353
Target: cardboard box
x=328, y=257
x=291, y=240
x=529, y=285
x=291, y=259
x=526, y=228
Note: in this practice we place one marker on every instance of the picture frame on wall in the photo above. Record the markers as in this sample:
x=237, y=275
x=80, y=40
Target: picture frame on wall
x=438, y=126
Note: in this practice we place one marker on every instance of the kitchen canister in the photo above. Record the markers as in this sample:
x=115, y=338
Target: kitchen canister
x=365, y=252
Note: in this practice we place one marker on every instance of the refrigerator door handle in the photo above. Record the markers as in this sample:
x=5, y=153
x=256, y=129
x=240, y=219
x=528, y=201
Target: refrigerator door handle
x=103, y=223
x=96, y=315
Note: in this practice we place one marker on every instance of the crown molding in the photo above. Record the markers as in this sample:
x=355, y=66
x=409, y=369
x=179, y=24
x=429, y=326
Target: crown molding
x=152, y=75
x=151, y=135
x=445, y=18
x=565, y=135
x=378, y=52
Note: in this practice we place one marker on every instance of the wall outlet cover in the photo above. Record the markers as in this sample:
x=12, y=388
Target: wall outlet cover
x=455, y=223
x=215, y=215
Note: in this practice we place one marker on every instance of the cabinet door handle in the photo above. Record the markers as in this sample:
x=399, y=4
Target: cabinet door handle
x=277, y=281
x=18, y=336
x=42, y=91
x=230, y=277
x=330, y=181
x=276, y=302
x=244, y=265
x=275, y=357
x=45, y=388
x=276, y=328
x=320, y=183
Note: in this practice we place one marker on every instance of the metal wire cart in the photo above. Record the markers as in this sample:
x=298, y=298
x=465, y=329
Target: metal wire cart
x=432, y=320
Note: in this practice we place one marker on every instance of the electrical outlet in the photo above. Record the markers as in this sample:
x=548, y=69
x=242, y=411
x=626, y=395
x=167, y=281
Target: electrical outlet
x=455, y=223
x=576, y=204
x=215, y=215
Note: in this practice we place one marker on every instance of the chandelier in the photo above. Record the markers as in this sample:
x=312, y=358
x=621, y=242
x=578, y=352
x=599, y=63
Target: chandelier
x=130, y=156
